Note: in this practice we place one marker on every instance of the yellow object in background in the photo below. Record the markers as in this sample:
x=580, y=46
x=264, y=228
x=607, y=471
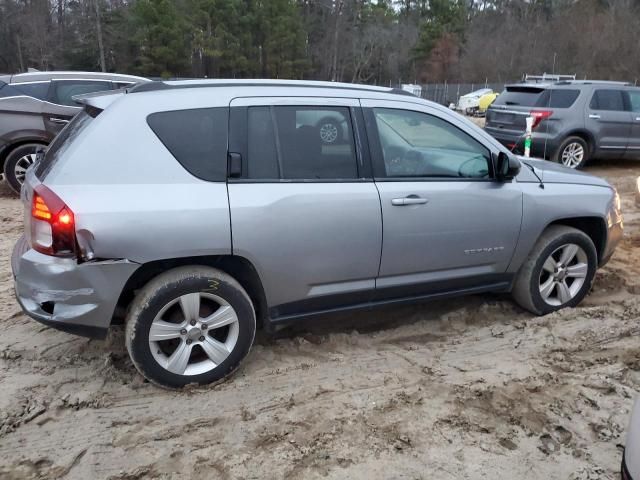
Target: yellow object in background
x=486, y=100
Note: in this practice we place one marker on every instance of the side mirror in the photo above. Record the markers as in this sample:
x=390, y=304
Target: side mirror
x=507, y=166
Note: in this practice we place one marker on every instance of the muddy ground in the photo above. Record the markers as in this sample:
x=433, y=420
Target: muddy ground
x=464, y=388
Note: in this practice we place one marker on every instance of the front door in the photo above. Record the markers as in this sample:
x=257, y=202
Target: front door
x=302, y=208
x=447, y=224
x=609, y=121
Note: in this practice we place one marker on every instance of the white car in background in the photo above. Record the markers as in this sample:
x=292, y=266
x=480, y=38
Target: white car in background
x=631, y=456
x=470, y=102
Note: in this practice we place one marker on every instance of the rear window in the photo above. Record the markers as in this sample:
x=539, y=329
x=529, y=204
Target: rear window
x=197, y=138
x=520, y=96
x=65, y=138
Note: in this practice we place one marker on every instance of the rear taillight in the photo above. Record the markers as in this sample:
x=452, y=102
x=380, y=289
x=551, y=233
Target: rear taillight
x=539, y=115
x=53, y=230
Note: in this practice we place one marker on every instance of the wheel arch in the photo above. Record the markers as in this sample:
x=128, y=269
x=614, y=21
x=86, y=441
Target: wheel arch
x=583, y=133
x=238, y=267
x=10, y=147
x=594, y=227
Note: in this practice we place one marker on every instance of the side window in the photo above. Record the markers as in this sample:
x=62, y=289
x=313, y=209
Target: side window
x=415, y=144
x=607, y=100
x=197, y=139
x=36, y=89
x=558, y=98
x=300, y=143
x=634, y=100
x=64, y=90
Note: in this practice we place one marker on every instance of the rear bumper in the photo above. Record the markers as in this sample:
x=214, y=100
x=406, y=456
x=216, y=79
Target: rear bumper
x=72, y=297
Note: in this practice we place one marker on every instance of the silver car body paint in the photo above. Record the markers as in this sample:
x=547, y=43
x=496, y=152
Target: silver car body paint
x=632, y=445
x=134, y=203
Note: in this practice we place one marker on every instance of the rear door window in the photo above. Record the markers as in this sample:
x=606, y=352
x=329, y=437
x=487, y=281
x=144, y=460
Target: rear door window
x=301, y=143
x=558, y=98
x=33, y=89
x=611, y=100
x=197, y=138
x=63, y=91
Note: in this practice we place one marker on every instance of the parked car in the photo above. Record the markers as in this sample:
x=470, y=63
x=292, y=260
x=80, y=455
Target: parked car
x=35, y=106
x=574, y=121
x=469, y=103
x=630, y=458
x=204, y=209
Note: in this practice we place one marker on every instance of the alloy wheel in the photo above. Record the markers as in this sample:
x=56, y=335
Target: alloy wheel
x=572, y=155
x=328, y=133
x=193, y=333
x=563, y=274
x=22, y=165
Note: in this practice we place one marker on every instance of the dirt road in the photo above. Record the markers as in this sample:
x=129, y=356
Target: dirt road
x=465, y=388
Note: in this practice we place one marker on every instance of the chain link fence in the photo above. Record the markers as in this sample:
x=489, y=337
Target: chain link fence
x=448, y=93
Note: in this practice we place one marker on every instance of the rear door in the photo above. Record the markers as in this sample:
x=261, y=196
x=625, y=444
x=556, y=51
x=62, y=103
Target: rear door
x=304, y=209
x=609, y=120
x=506, y=117
x=447, y=225
x=633, y=145
x=60, y=107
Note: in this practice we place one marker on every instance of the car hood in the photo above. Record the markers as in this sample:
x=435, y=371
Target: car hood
x=551, y=172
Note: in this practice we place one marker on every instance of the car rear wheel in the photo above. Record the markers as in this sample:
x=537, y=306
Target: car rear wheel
x=190, y=325
x=558, y=272
x=573, y=152
x=17, y=163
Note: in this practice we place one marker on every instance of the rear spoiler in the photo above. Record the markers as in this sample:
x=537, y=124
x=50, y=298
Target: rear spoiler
x=99, y=100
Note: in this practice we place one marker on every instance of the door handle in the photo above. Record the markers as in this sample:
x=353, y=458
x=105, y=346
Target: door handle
x=594, y=115
x=58, y=120
x=409, y=200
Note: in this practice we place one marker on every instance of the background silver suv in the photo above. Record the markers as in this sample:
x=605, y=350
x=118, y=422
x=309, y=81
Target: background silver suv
x=204, y=209
x=574, y=121
x=35, y=106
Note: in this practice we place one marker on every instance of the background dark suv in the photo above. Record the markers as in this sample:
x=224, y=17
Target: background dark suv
x=35, y=106
x=574, y=121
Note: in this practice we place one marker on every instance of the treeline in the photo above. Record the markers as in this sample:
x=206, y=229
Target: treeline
x=382, y=42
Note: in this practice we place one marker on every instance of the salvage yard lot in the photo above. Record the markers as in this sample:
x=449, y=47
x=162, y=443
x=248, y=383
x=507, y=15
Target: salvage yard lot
x=463, y=388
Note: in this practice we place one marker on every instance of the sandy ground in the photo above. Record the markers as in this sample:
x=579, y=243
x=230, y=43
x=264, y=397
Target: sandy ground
x=465, y=388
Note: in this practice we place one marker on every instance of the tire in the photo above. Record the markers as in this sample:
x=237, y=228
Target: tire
x=19, y=249
x=330, y=131
x=164, y=301
x=535, y=279
x=568, y=153
x=17, y=160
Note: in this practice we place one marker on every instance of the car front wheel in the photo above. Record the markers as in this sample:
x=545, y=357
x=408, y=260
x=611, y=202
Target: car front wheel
x=17, y=163
x=190, y=325
x=558, y=272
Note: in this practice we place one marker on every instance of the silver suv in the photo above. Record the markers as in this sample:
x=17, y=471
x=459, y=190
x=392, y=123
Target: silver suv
x=196, y=211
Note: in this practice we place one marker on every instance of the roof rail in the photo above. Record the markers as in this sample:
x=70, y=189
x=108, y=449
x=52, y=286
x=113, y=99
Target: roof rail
x=207, y=83
x=547, y=77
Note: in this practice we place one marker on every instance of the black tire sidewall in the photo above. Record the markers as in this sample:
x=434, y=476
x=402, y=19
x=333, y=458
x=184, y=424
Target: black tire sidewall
x=12, y=159
x=141, y=350
x=592, y=258
x=568, y=141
